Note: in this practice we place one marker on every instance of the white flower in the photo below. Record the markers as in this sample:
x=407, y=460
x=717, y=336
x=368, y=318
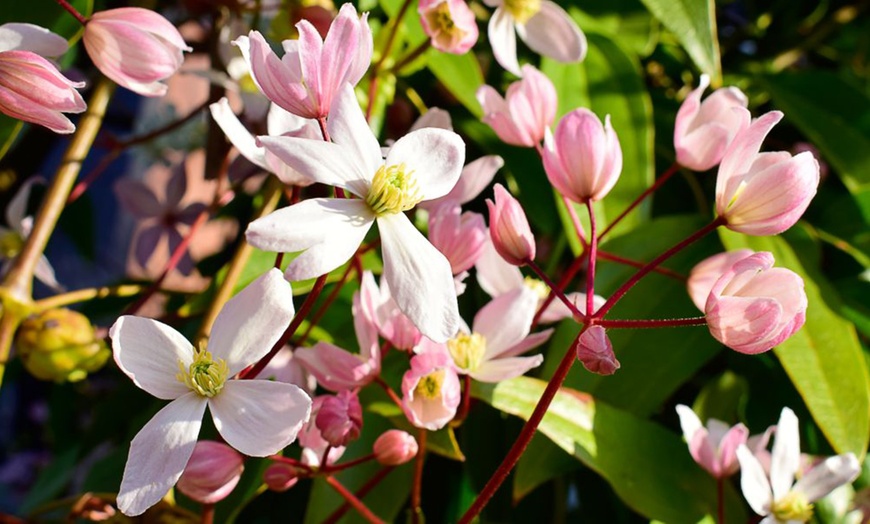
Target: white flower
x=12, y=238
x=779, y=499
x=257, y=417
x=422, y=165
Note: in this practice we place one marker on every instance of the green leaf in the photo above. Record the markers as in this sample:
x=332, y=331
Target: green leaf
x=9, y=129
x=541, y=462
x=693, y=22
x=838, y=123
x=626, y=20
x=461, y=75
x=648, y=466
x=823, y=359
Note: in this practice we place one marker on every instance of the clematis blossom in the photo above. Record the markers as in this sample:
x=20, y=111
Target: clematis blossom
x=422, y=165
x=713, y=447
x=377, y=304
x=525, y=113
x=430, y=390
x=450, y=25
x=459, y=236
x=256, y=417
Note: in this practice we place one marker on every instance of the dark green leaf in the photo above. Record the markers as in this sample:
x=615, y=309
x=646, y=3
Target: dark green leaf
x=693, y=22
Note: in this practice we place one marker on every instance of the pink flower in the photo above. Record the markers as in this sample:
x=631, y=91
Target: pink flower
x=708, y=271
x=595, y=351
x=459, y=236
x=212, y=472
x=313, y=70
x=339, y=418
x=763, y=193
x=475, y=177
x=714, y=447
x=135, y=47
x=509, y=228
x=526, y=112
x=544, y=26
x=31, y=87
x=450, y=25
x=314, y=446
x=704, y=130
x=395, y=447
x=377, y=304
x=755, y=306
x=430, y=390
x=583, y=159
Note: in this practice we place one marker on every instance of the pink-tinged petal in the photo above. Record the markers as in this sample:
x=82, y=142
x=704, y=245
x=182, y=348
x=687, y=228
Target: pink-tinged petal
x=323, y=162
x=420, y=278
x=251, y=322
x=335, y=368
x=505, y=368
x=432, y=411
x=689, y=422
x=786, y=454
x=366, y=331
x=149, y=352
x=364, y=51
x=211, y=473
x=306, y=224
x=434, y=117
x=259, y=417
x=146, y=20
x=753, y=482
x=552, y=33
x=348, y=128
x=435, y=156
x=494, y=275
x=475, y=177
x=509, y=228
x=282, y=122
x=16, y=209
x=503, y=38
x=506, y=320
x=159, y=453
x=33, y=38
x=595, y=351
x=735, y=437
x=740, y=322
x=240, y=137
x=708, y=271
x=459, y=236
x=704, y=453
x=739, y=157
x=829, y=475
x=337, y=56
x=282, y=84
x=689, y=109
x=530, y=342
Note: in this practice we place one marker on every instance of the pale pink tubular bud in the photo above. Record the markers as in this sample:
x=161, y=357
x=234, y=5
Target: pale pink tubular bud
x=461, y=237
x=708, y=271
x=212, y=472
x=713, y=447
x=430, y=390
x=509, y=229
x=763, y=193
x=395, y=447
x=704, y=130
x=340, y=418
x=528, y=109
x=595, y=351
x=755, y=306
x=280, y=477
x=450, y=25
x=583, y=158
x=135, y=47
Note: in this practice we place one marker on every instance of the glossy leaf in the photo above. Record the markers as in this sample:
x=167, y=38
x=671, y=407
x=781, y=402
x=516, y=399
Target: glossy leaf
x=461, y=75
x=693, y=22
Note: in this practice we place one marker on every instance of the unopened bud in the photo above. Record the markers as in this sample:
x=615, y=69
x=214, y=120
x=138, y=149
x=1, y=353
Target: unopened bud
x=60, y=345
x=395, y=447
x=509, y=228
x=212, y=472
x=595, y=351
x=340, y=418
x=280, y=477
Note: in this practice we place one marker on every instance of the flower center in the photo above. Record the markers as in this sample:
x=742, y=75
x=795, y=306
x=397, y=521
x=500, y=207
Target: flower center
x=10, y=244
x=394, y=189
x=204, y=375
x=522, y=10
x=467, y=350
x=538, y=286
x=793, y=506
x=429, y=386
x=440, y=19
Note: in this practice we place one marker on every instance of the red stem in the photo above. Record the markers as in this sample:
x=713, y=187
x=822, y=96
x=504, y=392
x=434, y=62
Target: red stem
x=417, y=487
x=357, y=504
x=392, y=394
x=655, y=323
x=73, y=11
x=360, y=493
x=555, y=289
x=578, y=227
x=563, y=283
x=593, y=256
x=207, y=515
x=348, y=464
x=329, y=300
x=466, y=402
x=634, y=263
x=650, y=190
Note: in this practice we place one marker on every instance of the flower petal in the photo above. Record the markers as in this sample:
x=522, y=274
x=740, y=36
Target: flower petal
x=506, y=320
x=553, y=33
x=786, y=454
x=323, y=162
x=349, y=129
x=475, y=177
x=505, y=368
x=740, y=155
x=33, y=38
x=494, y=275
x=149, y=353
x=419, y=277
x=259, y=417
x=436, y=157
x=336, y=369
x=159, y=453
x=503, y=39
x=753, y=482
x=828, y=476
x=240, y=137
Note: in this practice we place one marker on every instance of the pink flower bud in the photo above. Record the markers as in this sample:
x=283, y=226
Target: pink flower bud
x=755, y=306
x=280, y=477
x=430, y=390
x=450, y=25
x=212, y=472
x=704, y=130
x=763, y=193
x=708, y=271
x=583, y=159
x=526, y=112
x=714, y=447
x=459, y=236
x=509, y=229
x=395, y=447
x=595, y=351
x=340, y=418
x=135, y=47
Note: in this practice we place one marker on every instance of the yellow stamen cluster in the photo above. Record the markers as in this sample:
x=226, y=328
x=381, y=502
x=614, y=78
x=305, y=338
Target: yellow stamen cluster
x=429, y=386
x=11, y=244
x=522, y=10
x=538, y=286
x=394, y=189
x=794, y=506
x=467, y=350
x=204, y=375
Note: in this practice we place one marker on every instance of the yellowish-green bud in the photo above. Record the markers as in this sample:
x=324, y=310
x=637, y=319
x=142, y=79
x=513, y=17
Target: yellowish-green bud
x=60, y=345
x=429, y=387
x=10, y=244
x=394, y=189
x=205, y=375
x=793, y=506
x=467, y=350
x=522, y=10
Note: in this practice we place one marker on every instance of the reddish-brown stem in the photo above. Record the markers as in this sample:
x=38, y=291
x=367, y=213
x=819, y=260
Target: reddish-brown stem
x=255, y=370
x=92, y=175
x=555, y=289
x=466, y=402
x=578, y=227
x=346, y=465
x=73, y=11
x=645, y=270
x=417, y=486
x=392, y=394
x=603, y=255
x=207, y=514
x=351, y=499
x=567, y=276
x=360, y=493
x=524, y=437
x=315, y=318
x=292, y=462
x=410, y=57
x=321, y=121
x=279, y=258
x=650, y=190
x=654, y=323
x=593, y=257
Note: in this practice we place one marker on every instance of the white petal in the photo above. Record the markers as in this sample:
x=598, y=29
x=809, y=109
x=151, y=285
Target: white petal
x=436, y=157
x=503, y=39
x=45, y=273
x=16, y=210
x=419, y=277
x=827, y=476
x=786, y=454
x=494, y=274
x=506, y=319
x=689, y=421
x=33, y=38
x=753, y=481
x=280, y=121
x=323, y=162
x=505, y=368
x=148, y=352
x=553, y=33
x=348, y=128
x=159, y=453
x=240, y=137
x=251, y=322
x=259, y=417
